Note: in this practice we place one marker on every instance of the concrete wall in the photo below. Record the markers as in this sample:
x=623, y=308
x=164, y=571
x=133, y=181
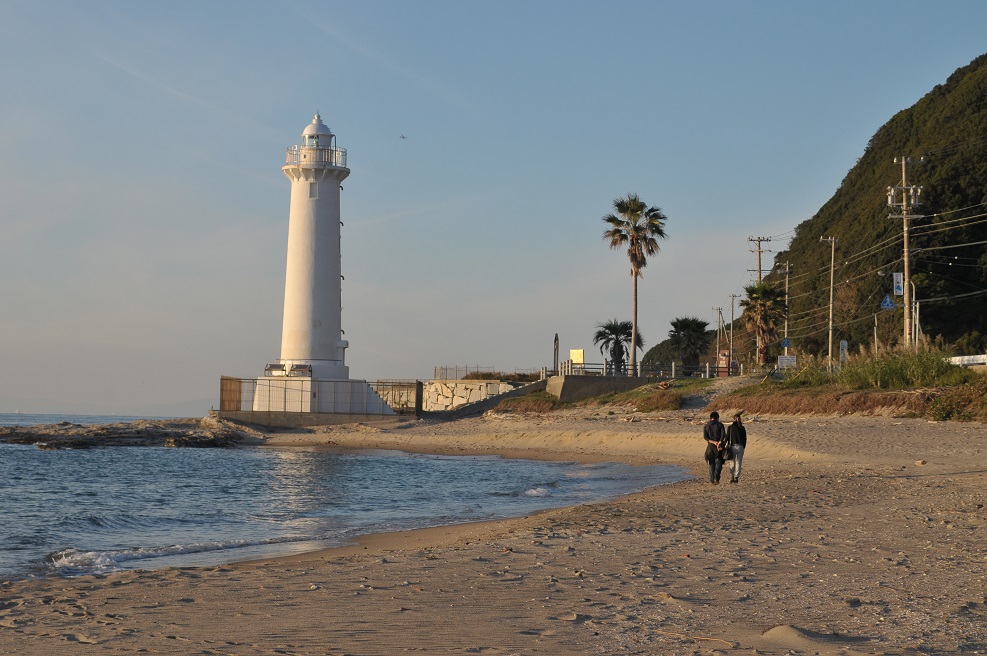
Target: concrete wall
x=576, y=388
x=302, y=394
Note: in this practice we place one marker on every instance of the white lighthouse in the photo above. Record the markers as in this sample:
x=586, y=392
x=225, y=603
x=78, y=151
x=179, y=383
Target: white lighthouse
x=311, y=375
x=311, y=333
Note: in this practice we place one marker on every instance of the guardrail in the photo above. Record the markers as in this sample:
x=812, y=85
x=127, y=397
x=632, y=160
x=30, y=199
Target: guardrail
x=661, y=370
x=968, y=360
x=313, y=157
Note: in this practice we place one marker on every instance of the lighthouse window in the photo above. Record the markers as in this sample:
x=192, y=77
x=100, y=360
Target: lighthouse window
x=313, y=189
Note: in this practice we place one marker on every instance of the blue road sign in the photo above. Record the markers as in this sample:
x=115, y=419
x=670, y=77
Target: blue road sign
x=785, y=343
x=887, y=303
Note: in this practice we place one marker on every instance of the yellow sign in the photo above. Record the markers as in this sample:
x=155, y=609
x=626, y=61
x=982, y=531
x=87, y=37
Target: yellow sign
x=576, y=356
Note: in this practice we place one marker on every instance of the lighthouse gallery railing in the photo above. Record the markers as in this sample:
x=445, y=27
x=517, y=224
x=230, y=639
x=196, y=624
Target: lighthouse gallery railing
x=315, y=157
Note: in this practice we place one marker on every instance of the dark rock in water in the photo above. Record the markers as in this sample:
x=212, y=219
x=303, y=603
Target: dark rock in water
x=180, y=433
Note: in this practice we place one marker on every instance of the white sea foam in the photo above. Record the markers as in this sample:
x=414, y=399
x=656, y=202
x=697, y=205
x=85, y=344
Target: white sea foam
x=75, y=561
x=536, y=492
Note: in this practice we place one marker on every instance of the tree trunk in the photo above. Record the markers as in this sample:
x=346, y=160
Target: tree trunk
x=634, y=326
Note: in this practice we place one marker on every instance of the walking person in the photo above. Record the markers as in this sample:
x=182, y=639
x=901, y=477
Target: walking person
x=715, y=436
x=736, y=443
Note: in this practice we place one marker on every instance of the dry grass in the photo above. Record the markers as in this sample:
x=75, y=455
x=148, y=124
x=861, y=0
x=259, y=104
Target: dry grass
x=657, y=397
x=828, y=400
x=961, y=403
x=536, y=402
x=966, y=402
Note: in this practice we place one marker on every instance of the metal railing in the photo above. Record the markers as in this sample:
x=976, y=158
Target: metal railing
x=315, y=157
x=459, y=372
x=659, y=370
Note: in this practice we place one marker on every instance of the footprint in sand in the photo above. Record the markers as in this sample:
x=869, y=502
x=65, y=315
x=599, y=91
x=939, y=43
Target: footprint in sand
x=79, y=637
x=537, y=632
x=670, y=599
x=578, y=618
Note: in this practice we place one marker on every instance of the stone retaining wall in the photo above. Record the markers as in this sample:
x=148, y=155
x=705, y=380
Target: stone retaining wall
x=448, y=394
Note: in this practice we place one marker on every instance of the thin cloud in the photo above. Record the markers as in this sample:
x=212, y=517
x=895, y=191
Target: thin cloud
x=222, y=111
x=463, y=202
x=380, y=59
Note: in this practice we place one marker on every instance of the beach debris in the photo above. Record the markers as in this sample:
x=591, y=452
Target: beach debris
x=578, y=618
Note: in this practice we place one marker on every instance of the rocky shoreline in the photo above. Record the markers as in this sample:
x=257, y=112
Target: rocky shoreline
x=207, y=432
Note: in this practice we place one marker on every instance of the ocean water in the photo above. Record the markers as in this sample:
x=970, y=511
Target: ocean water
x=74, y=512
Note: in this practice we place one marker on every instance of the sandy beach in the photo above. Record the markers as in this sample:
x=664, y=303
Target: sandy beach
x=846, y=535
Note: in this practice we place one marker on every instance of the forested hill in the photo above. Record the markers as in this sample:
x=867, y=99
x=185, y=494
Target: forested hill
x=947, y=131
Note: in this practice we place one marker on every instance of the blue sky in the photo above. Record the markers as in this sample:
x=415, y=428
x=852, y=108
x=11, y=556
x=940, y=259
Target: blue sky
x=143, y=212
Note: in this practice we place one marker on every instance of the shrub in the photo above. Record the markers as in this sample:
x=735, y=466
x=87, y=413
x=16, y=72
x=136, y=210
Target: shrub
x=659, y=400
x=499, y=375
x=961, y=403
x=927, y=368
x=534, y=402
x=810, y=376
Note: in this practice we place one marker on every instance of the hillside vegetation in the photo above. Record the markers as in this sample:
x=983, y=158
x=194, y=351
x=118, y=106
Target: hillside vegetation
x=948, y=128
x=920, y=384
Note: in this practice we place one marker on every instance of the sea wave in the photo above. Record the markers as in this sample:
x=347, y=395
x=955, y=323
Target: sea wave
x=77, y=562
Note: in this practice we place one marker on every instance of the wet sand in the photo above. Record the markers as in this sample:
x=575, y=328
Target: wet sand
x=849, y=535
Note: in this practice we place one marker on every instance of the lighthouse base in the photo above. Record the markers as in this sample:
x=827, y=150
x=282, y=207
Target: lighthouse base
x=317, y=395
x=318, y=369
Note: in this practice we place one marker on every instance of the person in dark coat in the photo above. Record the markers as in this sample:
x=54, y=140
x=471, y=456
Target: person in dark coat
x=715, y=436
x=736, y=443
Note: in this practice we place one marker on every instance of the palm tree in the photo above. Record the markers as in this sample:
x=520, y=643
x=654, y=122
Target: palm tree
x=764, y=310
x=690, y=337
x=613, y=337
x=638, y=227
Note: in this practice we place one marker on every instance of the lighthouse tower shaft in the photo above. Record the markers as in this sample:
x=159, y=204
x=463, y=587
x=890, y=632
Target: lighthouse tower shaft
x=311, y=336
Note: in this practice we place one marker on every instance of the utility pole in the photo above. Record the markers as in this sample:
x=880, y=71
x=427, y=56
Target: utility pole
x=718, y=318
x=758, y=250
x=788, y=270
x=832, y=268
x=905, y=197
x=715, y=318
x=730, y=362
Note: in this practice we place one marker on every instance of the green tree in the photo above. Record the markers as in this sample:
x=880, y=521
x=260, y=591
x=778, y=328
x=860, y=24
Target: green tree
x=764, y=311
x=638, y=227
x=690, y=338
x=613, y=337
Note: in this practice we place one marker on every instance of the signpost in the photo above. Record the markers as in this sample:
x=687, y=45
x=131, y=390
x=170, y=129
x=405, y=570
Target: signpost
x=887, y=303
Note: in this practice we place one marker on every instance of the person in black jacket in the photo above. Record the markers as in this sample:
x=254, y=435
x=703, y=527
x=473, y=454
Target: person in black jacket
x=715, y=436
x=736, y=442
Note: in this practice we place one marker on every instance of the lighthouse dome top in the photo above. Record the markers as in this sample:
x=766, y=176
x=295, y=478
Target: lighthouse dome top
x=316, y=128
